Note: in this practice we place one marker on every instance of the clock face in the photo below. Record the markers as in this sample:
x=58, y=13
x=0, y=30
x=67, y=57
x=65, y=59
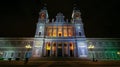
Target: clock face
x=40, y=27
x=42, y=16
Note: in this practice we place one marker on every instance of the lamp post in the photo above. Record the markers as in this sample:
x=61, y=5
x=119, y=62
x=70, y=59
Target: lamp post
x=91, y=47
x=28, y=47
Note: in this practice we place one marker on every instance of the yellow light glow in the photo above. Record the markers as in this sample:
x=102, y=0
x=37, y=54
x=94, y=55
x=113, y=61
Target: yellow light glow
x=118, y=53
x=54, y=34
x=28, y=46
x=50, y=34
x=91, y=46
x=71, y=47
x=47, y=47
x=70, y=34
x=1, y=53
x=65, y=34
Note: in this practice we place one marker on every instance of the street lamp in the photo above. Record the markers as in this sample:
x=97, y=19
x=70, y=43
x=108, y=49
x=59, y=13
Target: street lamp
x=28, y=47
x=91, y=47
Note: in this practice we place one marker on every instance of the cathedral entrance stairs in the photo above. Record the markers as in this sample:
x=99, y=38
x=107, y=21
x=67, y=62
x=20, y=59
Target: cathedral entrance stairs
x=59, y=59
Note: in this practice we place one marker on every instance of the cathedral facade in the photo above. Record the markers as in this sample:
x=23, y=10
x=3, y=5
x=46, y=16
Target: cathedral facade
x=60, y=38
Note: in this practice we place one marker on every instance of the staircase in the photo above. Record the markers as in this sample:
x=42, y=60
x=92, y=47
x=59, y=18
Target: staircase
x=59, y=59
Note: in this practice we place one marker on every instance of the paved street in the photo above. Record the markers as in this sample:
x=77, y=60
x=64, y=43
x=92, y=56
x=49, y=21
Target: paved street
x=60, y=63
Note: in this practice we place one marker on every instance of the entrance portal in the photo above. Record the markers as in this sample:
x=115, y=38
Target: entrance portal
x=48, y=52
x=71, y=50
x=59, y=54
x=71, y=53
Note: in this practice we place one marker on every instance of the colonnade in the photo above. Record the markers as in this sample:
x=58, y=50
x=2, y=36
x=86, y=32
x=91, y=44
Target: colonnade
x=60, y=31
x=62, y=49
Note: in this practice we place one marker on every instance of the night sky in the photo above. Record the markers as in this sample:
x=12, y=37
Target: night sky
x=101, y=18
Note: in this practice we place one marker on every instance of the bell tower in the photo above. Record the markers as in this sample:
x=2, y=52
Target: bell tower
x=77, y=20
x=76, y=15
x=40, y=33
x=42, y=20
x=80, y=35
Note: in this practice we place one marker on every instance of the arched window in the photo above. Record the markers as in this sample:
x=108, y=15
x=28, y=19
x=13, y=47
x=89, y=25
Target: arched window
x=79, y=33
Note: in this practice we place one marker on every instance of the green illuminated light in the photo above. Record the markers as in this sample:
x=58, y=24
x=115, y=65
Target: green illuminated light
x=118, y=53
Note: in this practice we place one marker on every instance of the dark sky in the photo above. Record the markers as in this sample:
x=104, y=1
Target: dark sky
x=18, y=18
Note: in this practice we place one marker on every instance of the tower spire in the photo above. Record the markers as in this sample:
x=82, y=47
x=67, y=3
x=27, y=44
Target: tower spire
x=43, y=14
x=76, y=15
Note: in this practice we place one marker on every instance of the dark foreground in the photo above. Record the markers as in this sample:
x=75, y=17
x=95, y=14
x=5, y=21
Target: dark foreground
x=61, y=62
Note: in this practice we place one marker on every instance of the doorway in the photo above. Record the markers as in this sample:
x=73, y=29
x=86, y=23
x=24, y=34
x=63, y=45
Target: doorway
x=59, y=54
x=48, y=48
x=71, y=50
x=48, y=53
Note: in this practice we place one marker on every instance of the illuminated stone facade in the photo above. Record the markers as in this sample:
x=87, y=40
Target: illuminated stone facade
x=15, y=48
x=60, y=38
x=104, y=48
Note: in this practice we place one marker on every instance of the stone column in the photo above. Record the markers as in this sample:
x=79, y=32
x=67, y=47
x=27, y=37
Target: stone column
x=62, y=31
x=63, y=49
x=68, y=49
x=52, y=31
x=46, y=31
x=67, y=31
x=57, y=31
x=50, y=48
x=56, y=48
x=74, y=29
x=5, y=55
x=74, y=48
x=44, y=49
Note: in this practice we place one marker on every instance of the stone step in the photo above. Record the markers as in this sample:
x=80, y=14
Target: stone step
x=59, y=59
